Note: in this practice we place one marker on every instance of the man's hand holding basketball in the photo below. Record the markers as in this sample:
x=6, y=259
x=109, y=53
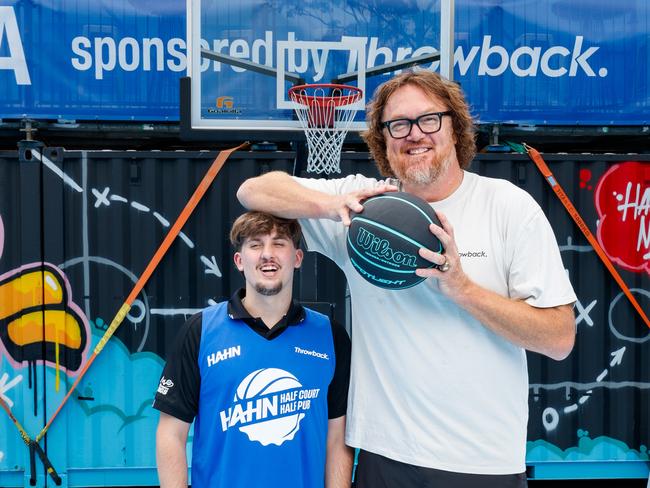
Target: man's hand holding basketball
x=452, y=280
x=340, y=206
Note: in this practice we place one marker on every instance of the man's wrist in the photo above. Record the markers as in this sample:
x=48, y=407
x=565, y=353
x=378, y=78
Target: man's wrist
x=466, y=293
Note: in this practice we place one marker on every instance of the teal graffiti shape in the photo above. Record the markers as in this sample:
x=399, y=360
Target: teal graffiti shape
x=601, y=448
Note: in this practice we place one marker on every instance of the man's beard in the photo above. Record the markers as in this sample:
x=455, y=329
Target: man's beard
x=268, y=291
x=421, y=174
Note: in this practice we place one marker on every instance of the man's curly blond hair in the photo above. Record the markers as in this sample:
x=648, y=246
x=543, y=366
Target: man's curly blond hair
x=434, y=85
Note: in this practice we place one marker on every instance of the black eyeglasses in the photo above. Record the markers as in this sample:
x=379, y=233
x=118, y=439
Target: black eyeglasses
x=428, y=124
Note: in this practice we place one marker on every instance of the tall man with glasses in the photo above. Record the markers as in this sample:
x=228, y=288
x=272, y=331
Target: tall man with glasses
x=439, y=386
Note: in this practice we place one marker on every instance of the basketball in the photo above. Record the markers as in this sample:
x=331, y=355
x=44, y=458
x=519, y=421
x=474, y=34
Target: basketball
x=383, y=240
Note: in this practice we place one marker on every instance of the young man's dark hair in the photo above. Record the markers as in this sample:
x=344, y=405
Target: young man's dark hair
x=252, y=224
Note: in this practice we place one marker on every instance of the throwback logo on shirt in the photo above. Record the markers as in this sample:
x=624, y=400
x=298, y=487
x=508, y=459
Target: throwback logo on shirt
x=165, y=385
x=268, y=406
x=473, y=254
x=307, y=352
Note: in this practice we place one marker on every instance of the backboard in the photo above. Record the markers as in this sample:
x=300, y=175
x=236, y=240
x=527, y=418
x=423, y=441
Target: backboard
x=242, y=57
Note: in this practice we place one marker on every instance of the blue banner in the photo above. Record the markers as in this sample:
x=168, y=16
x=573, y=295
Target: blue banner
x=539, y=62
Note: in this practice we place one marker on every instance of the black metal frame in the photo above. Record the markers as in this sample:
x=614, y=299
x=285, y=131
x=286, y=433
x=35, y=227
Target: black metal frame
x=187, y=133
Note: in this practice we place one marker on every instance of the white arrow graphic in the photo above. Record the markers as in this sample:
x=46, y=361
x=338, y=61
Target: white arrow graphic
x=211, y=266
x=618, y=357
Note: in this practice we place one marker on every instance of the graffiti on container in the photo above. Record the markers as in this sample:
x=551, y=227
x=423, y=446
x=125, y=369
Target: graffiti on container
x=85, y=266
x=54, y=312
x=582, y=312
x=39, y=322
x=583, y=398
x=623, y=205
x=211, y=266
x=103, y=198
x=6, y=385
x=140, y=312
x=551, y=415
x=622, y=201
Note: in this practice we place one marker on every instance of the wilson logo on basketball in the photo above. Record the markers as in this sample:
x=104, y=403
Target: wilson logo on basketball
x=381, y=248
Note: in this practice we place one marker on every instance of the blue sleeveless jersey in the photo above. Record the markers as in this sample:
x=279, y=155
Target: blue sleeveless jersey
x=262, y=417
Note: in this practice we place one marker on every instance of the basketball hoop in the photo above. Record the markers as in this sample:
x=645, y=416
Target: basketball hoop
x=325, y=112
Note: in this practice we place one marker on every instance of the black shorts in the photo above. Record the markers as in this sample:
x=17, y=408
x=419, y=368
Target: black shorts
x=375, y=471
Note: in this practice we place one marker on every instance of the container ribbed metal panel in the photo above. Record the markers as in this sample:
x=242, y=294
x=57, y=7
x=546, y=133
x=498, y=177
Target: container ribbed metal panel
x=98, y=217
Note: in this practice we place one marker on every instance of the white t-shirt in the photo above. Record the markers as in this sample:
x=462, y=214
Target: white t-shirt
x=430, y=385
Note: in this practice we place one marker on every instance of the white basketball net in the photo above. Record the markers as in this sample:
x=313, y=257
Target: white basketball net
x=325, y=113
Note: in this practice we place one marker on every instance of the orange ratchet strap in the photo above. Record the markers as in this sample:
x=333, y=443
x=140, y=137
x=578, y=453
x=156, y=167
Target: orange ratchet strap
x=144, y=277
x=546, y=172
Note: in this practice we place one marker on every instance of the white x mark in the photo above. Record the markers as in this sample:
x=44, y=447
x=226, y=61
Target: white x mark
x=583, y=313
x=101, y=197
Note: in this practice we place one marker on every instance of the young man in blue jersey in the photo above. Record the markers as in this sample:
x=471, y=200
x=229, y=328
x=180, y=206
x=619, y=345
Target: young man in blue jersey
x=264, y=379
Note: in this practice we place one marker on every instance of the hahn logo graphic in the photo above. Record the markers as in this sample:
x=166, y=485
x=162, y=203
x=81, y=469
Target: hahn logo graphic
x=268, y=406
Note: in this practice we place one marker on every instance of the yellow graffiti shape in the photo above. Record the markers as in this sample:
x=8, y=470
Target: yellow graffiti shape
x=38, y=322
x=31, y=289
x=55, y=326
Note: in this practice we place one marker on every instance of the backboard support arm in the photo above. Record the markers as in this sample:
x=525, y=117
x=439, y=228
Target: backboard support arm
x=250, y=65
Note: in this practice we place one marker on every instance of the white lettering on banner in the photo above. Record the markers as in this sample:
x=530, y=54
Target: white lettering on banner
x=105, y=54
x=578, y=58
x=86, y=61
x=319, y=57
x=546, y=65
x=160, y=57
x=16, y=61
x=373, y=52
x=179, y=56
x=124, y=54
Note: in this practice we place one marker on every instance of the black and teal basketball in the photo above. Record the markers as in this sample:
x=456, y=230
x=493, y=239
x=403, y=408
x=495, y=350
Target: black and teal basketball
x=383, y=240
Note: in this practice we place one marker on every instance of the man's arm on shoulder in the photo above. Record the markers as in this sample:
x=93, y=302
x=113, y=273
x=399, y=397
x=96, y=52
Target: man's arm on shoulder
x=171, y=459
x=278, y=193
x=338, y=466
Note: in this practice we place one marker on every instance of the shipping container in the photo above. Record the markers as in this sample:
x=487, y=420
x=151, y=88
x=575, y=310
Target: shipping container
x=88, y=222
